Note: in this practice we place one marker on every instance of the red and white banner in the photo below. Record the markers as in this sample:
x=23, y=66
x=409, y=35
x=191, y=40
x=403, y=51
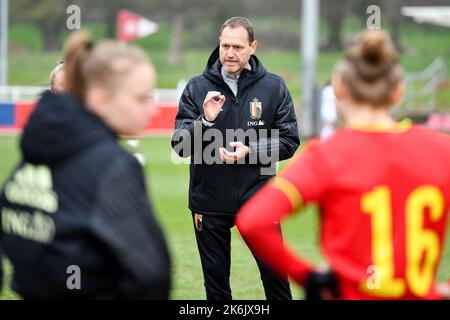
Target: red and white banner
x=131, y=26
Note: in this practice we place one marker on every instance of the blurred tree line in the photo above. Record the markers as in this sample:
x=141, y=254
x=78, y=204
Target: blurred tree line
x=203, y=19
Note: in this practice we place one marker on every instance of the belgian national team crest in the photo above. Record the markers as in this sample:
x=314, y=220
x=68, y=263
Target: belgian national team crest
x=255, y=109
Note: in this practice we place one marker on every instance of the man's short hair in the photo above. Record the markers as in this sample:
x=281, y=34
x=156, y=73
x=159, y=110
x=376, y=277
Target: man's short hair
x=236, y=22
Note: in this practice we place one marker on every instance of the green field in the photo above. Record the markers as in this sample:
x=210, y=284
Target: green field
x=168, y=185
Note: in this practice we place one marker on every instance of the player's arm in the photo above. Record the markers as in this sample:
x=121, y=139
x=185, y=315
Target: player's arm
x=278, y=199
x=124, y=221
x=258, y=217
x=257, y=223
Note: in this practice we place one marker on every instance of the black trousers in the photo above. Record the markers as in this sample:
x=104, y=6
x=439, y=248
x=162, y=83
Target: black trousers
x=214, y=245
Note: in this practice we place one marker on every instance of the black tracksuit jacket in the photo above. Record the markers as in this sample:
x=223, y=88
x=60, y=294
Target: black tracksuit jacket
x=93, y=212
x=218, y=188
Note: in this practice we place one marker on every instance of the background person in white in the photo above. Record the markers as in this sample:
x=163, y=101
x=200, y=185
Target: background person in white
x=328, y=111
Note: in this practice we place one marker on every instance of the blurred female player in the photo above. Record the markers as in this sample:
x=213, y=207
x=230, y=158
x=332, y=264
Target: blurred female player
x=76, y=220
x=383, y=192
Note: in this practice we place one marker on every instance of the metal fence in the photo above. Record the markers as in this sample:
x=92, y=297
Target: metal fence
x=421, y=89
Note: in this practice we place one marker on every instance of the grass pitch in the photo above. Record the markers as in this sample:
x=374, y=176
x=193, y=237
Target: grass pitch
x=168, y=189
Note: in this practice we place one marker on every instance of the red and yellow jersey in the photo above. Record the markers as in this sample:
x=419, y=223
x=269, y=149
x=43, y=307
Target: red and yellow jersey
x=384, y=199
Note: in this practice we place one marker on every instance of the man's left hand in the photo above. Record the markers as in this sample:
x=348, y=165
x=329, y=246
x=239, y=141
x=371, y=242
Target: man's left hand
x=240, y=152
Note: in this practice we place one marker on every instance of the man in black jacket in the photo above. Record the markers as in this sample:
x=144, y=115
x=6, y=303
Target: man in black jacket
x=238, y=99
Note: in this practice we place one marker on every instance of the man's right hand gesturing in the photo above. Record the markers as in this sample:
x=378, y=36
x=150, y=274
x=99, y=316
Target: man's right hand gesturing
x=212, y=105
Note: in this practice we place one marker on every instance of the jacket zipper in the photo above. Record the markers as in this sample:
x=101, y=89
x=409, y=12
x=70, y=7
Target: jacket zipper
x=236, y=175
x=236, y=118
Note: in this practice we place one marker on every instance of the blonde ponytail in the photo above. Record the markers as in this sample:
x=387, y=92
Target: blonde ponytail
x=371, y=68
x=104, y=64
x=78, y=47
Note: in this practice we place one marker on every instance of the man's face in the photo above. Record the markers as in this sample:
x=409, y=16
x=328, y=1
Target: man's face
x=235, y=49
